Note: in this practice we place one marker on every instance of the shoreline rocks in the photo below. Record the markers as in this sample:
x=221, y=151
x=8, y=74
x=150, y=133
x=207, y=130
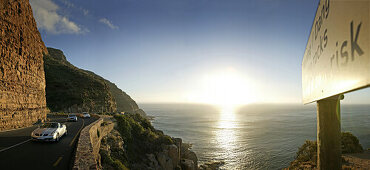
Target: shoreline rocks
x=211, y=165
x=171, y=157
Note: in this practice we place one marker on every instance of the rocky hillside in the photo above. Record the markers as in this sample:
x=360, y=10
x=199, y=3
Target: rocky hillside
x=70, y=89
x=136, y=144
x=123, y=101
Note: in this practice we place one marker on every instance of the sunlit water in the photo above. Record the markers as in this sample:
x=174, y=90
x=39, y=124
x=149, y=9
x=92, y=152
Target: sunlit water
x=254, y=136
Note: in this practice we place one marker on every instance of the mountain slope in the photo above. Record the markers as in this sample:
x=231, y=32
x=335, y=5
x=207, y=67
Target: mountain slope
x=70, y=89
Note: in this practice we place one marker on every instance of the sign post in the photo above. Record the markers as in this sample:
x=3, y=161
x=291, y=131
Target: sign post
x=328, y=133
x=336, y=61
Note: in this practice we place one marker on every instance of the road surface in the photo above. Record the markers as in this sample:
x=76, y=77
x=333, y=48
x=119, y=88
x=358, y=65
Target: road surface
x=18, y=151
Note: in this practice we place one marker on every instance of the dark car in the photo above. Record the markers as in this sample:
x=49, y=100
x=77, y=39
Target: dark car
x=72, y=118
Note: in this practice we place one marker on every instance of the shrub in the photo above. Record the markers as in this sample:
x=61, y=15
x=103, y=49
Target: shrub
x=350, y=143
x=119, y=166
x=308, y=151
x=164, y=139
x=108, y=160
x=105, y=158
x=124, y=127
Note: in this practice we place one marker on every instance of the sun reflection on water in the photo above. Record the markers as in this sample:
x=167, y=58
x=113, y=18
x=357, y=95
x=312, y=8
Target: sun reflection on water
x=227, y=118
x=226, y=135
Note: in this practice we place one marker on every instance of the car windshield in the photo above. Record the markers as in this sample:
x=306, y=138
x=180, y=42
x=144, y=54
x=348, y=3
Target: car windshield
x=49, y=125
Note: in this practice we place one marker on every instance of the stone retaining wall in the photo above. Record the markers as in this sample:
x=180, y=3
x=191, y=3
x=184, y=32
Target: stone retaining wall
x=87, y=151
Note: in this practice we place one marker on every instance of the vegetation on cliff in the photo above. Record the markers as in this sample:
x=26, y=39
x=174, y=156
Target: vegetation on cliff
x=70, y=89
x=306, y=157
x=124, y=101
x=136, y=144
x=140, y=137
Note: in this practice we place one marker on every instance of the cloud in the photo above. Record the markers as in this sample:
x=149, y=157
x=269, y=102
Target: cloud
x=85, y=11
x=69, y=4
x=108, y=23
x=48, y=19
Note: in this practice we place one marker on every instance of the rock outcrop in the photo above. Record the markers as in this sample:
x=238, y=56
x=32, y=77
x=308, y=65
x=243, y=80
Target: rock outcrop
x=22, y=81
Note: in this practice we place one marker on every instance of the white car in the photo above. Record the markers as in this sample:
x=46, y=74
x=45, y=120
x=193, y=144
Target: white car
x=85, y=115
x=51, y=131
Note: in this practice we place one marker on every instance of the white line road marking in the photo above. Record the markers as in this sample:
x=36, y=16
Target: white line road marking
x=2, y=150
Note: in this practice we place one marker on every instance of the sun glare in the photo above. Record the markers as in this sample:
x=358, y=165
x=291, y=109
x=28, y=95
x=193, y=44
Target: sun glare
x=225, y=88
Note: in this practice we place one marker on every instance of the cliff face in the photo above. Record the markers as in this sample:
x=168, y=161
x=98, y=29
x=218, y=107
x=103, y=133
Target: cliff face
x=22, y=81
x=70, y=89
x=124, y=102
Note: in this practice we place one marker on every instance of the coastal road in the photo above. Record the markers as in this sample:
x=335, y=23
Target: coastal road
x=18, y=151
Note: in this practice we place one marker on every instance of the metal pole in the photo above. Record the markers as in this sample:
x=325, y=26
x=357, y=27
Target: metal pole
x=329, y=133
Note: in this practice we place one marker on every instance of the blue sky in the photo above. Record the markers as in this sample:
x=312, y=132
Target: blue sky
x=161, y=50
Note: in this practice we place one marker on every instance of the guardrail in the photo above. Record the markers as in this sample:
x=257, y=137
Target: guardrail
x=87, y=151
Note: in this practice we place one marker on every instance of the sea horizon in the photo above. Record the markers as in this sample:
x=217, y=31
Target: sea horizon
x=253, y=137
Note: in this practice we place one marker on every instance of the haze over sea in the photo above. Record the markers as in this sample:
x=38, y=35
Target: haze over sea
x=253, y=136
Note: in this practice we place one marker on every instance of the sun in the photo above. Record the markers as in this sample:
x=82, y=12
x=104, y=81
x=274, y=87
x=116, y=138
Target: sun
x=226, y=88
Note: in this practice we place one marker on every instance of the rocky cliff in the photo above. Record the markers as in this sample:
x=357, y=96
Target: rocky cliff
x=22, y=89
x=70, y=89
x=124, y=101
x=136, y=144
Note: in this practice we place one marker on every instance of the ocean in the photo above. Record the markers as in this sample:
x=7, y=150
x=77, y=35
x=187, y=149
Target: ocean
x=252, y=136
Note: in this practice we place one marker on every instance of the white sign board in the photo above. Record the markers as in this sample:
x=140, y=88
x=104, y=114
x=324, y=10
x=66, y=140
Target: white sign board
x=337, y=57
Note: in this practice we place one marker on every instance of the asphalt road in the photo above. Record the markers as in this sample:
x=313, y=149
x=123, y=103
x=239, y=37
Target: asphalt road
x=18, y=151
